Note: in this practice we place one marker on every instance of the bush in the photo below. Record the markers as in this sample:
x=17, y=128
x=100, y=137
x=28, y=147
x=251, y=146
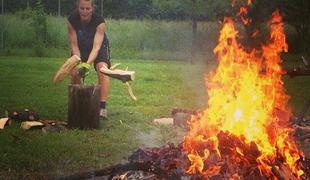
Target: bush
x=40, y=28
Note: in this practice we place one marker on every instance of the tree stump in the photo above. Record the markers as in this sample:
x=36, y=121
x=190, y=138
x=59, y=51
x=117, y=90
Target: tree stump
x=83, y=106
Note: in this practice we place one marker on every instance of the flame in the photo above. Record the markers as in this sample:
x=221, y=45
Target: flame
x=247, y=100
x=243, y=12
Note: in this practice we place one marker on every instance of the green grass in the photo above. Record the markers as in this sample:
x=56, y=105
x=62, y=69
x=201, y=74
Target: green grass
x=159, y=87
x=27, y=83
x=297, y=87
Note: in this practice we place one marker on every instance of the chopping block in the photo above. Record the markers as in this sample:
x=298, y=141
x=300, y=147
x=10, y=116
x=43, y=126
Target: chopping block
x=83, y=106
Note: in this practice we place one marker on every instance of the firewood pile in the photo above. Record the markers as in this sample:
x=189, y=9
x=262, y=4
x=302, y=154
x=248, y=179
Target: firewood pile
x=29, y=119
x=170, y=162
x=302, y=129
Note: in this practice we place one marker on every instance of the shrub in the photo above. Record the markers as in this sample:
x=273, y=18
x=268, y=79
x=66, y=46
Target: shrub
x=40, y=28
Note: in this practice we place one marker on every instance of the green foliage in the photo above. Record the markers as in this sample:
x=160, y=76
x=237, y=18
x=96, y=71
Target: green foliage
x=40, y=28
x=216, y=10
x=147, y=39
x=26, y=13
x=297, y=14
x=139, y=8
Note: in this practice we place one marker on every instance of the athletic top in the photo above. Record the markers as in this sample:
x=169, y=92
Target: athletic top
x=86, y=32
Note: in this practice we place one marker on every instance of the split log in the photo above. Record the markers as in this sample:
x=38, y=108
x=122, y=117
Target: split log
x=31, y=124
x=119, y=74
x=122, y=75
x=3, y=122
x=163, y=121
x=83, y=106
x=53, y=128
x=53, y=122
x=66, y=68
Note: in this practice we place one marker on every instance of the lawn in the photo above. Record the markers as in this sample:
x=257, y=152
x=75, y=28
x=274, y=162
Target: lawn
x=159, y=86
x=27, y=83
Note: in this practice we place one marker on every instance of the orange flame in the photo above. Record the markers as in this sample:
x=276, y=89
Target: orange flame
x=243, y=11
x=246, y=99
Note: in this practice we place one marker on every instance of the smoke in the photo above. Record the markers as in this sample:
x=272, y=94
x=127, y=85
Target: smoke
x=150, y=138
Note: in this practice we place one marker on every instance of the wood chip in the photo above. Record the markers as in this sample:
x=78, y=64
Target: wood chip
x=3, y=122
x=163, y=121
x=30, y=124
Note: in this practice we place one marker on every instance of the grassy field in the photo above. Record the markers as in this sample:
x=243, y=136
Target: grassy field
x=159, y=87
x=27, y=83
x=142, y=39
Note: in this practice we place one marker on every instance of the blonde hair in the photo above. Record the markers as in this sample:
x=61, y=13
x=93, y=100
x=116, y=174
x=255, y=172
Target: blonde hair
x=92, y=2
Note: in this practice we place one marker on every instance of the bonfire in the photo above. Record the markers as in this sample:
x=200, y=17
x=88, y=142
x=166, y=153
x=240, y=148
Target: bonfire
x=244, y=131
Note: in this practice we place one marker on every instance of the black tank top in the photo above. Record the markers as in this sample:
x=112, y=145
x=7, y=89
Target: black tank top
x=86, y=32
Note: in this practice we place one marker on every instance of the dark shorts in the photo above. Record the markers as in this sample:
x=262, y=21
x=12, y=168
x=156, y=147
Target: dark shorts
x=103, y=55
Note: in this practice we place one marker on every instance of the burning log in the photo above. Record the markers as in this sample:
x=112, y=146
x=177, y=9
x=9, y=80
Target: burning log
x=282, y=172
x=300, y=71
x=171, y=162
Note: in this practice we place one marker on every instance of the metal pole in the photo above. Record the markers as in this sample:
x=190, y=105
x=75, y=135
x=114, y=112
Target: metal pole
x=59, y=13
x=2, y=38
x=2, y=30
x=101, y=7
x=2, y=7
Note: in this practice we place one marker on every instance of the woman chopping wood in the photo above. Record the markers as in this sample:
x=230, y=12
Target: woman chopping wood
x=89, y=42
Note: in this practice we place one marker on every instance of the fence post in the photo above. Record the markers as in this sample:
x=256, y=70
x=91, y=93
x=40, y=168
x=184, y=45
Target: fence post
x=2, y=7
x=2, y=38
x=59, y=13
x=2, y=30
x=101, y=6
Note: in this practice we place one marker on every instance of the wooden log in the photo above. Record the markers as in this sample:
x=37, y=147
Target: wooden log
x=119, y=74
x=83, y=106
x=300, y=71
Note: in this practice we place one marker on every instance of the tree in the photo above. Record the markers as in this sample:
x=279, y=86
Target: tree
x=139, y=8
x=297, y=14
x=195, y=10
x=40, y=28
x=258, y=12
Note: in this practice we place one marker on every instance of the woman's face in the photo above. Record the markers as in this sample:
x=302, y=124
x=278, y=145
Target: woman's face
x=85, y=10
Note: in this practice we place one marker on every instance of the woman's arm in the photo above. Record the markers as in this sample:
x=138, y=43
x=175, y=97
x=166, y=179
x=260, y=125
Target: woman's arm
x=73, y=40
x=98, y=39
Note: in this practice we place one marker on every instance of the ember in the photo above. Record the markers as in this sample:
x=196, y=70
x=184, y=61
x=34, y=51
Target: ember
x=244, y=132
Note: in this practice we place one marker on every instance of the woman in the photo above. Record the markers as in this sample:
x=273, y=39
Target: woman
x=88, y=40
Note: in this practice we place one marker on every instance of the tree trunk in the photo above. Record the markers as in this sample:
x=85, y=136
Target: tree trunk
x=83, y=106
